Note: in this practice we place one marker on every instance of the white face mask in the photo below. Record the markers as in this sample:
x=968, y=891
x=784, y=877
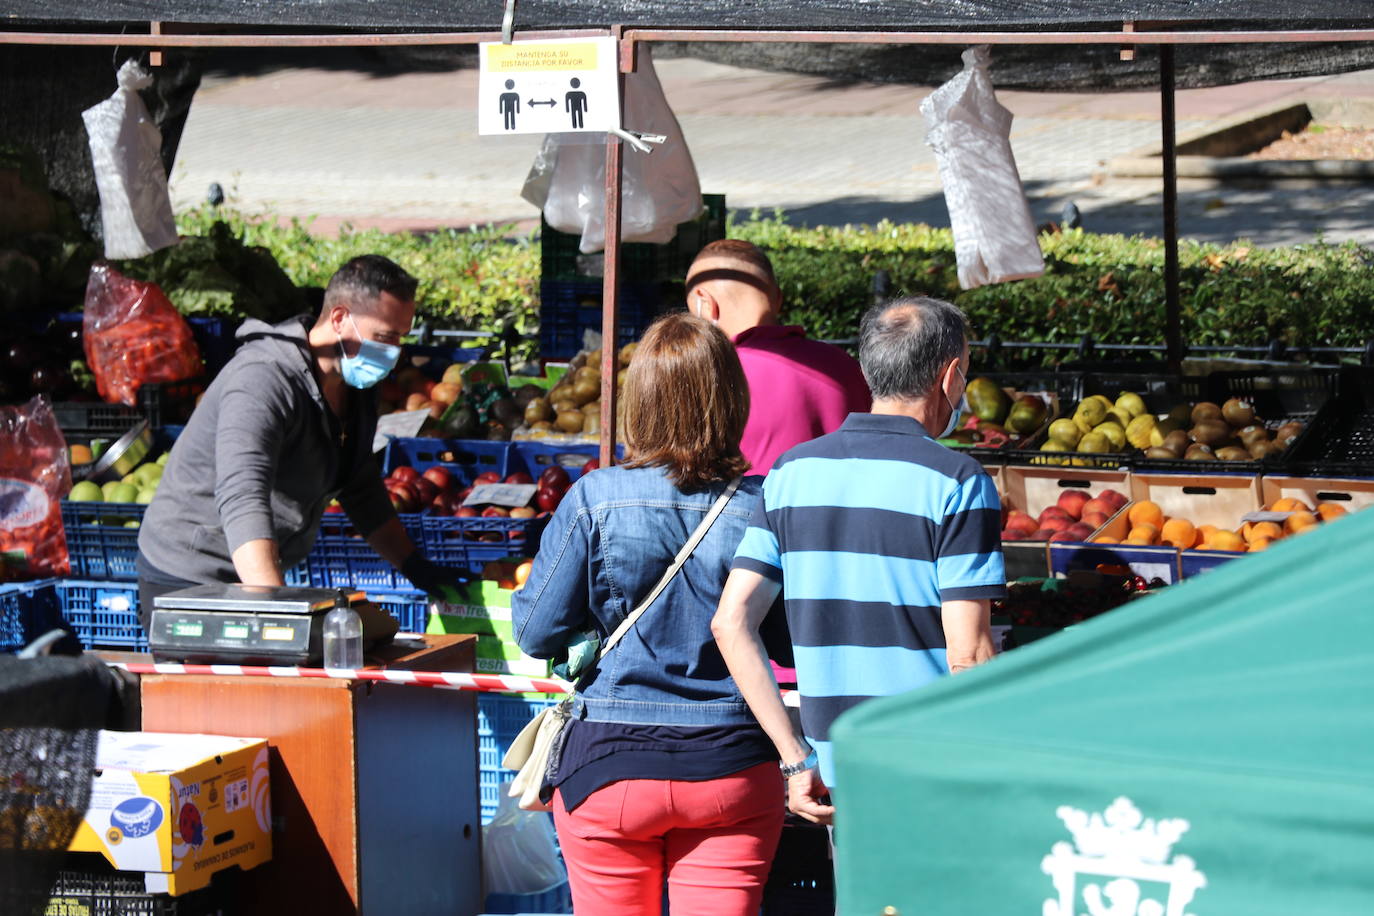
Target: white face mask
x=956, y=412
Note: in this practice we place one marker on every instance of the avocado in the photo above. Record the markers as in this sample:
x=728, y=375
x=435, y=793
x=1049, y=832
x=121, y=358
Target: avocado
x=987, y=400
x=1027, y=415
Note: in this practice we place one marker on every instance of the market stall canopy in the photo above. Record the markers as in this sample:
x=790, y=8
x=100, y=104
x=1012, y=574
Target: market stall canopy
x=1207, y=747
x=1029, y=66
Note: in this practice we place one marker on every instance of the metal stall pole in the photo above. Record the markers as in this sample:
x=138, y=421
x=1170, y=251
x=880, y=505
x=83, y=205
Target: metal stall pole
x=1173, y=331
x=610, y=281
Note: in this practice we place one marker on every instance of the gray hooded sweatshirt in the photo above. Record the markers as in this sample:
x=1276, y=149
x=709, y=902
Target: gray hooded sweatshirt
x=260, y=458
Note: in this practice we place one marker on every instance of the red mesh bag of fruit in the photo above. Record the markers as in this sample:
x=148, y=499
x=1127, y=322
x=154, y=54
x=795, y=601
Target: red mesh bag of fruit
x=34, y=476
x=134, y=335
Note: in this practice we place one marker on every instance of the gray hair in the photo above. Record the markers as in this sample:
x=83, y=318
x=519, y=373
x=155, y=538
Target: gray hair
x=905, y=343
x=360, y=283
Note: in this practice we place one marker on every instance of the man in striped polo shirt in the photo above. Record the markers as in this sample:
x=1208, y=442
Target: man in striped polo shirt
x=885, y=546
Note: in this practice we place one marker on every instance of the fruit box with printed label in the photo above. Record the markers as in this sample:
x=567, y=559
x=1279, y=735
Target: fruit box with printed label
x=1043, y=506
x=1176, y=509
x=485, y=610
x=178, y=807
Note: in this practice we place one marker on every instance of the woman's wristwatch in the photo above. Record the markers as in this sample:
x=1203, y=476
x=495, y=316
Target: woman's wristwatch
x=792, y=769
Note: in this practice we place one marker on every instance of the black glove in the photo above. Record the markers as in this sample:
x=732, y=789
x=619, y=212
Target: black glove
x=442, y=582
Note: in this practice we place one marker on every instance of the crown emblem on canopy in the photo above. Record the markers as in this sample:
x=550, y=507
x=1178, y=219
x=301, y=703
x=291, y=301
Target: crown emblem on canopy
x=1122, y=831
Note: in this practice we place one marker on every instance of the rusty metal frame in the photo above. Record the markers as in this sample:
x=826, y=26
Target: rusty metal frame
x=164, y=35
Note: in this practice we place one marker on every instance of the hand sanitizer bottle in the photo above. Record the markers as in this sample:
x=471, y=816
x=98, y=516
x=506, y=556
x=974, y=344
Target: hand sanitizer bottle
x=343, y=635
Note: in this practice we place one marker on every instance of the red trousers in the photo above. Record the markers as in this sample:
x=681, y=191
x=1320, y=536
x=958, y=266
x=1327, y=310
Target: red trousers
x=714, y=842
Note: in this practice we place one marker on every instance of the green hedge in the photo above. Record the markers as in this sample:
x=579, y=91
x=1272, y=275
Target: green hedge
x=1108, y=286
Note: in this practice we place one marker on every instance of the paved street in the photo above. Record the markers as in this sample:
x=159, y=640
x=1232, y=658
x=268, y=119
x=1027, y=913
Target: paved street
x=402, y=151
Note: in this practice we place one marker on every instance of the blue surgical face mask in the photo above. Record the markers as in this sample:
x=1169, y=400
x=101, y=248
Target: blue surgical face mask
x=371, y=363
x=956, y=412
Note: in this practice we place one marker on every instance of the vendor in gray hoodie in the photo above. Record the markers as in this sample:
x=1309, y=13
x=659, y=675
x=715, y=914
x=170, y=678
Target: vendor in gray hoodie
x=284, y=428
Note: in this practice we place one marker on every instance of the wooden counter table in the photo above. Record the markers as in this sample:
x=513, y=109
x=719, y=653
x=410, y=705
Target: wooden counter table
x=374, y=785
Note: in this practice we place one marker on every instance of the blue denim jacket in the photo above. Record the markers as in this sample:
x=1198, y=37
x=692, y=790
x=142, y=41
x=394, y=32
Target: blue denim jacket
x=610, y=540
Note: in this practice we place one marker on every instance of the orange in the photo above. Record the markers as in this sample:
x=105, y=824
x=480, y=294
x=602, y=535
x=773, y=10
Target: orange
x=1327, y=511
x=522, y=573
x=1268, y=531
x=1179, y=532
x=1289, y=504
x=1145, y=512
x=1299, y=521
x=1143, y=534
x=1226, y=540
x=1104, y=539
x=1204, y=533
x=1259, y=544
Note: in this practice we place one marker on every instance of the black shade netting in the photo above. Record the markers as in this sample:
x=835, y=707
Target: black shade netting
x=51, y=711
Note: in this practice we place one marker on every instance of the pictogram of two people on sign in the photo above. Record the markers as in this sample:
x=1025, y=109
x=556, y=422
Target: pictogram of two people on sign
x=574, y=103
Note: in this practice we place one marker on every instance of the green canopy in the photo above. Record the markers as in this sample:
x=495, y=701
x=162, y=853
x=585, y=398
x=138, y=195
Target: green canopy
x=1209, y=750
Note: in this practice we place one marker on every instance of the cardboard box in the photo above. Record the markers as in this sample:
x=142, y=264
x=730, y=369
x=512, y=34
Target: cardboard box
x=1203, y=499
x=178, y=807
x=500, y=655
x=1351, y=493
x=486, y=611
x=1032, y=490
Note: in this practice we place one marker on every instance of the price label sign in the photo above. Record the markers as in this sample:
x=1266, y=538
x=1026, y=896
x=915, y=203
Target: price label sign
x=403, y=424
x=511, y=495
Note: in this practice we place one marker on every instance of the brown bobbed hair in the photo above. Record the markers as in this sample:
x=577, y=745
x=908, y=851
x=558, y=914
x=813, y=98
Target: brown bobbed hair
x=686, y=402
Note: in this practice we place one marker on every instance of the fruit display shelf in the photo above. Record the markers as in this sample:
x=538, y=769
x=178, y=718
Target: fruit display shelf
x=1004, y=445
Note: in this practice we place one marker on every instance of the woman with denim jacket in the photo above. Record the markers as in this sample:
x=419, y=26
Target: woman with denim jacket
x=664, y=773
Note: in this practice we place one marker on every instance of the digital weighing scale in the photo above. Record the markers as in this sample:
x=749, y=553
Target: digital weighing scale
x=254, y=624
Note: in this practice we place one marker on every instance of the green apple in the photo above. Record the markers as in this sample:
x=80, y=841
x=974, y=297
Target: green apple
x=87, y=491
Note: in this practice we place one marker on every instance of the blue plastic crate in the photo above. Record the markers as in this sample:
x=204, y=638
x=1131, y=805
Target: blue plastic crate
x=469, y=543
x=27, y=611
x=410, y=608
x=566, y=309
x=534, y=457
x=341, y=557
x=464, y=457
x=101, y=542
x=104, y=615
x=432, y=360
x=499, y=719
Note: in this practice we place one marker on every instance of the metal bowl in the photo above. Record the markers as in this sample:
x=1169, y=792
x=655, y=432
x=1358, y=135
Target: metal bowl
x=126, y=453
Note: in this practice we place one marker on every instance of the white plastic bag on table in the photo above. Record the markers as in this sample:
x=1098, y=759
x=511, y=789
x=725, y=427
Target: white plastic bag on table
x=519, y=854
x=994, y=235
x=658, y=190
x=135, y=210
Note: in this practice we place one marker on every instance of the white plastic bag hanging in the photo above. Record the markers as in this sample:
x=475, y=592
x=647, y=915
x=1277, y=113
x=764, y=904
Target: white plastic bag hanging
x=135, y=210
x=519, y=854
x=994, y=235
x=658, y=191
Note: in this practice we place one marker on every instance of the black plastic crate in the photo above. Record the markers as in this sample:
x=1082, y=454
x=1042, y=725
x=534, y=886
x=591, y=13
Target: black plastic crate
x=160, y=403
x=561, y=260
x=568, y=309
x=88, y=886
x=1340, y=441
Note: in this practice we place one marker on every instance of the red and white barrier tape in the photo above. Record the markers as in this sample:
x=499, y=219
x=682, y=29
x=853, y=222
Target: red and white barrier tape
x=451, y=680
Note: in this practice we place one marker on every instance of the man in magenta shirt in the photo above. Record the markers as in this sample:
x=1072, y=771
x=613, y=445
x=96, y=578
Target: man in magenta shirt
x=798, y=388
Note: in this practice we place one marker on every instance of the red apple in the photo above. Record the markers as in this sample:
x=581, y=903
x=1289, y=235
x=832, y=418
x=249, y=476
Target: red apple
x=425, y=490
x=1065, y=535
x=1055, y=512
x=555, y=476
x=1020, y=521
x=591, y=465
x=1077, y=532
x=440, y=476
x=1099, y=505
x=519, y=477
x=494, y=512
x=548, y=498
x=1116, y=499
x=1042, y=535
x=522, y=512
x=486, y=477
x=1013, y=534
x=1071, y=501
x=1055, y=523
x=465, y=512
x=333, y=506
x=444, y=504
x=404, y=473
x=464, y=493
x=427, y=386
x=403, y=498
x=1094, y=520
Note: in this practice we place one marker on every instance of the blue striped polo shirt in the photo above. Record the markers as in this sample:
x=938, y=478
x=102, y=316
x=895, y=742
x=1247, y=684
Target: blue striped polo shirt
x=869, y=529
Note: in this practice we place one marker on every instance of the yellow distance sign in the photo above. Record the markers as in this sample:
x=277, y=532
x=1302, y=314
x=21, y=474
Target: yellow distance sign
x=527, y=58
